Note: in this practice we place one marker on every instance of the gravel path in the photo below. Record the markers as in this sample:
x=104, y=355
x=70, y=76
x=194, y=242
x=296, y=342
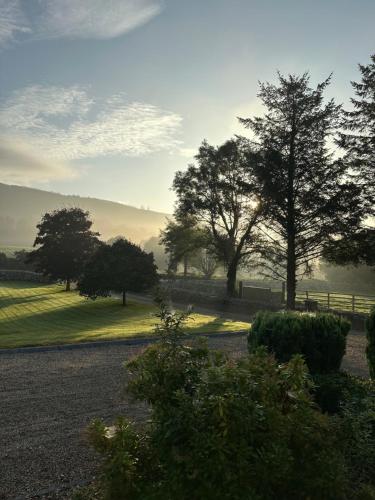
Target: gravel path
x=48, y=398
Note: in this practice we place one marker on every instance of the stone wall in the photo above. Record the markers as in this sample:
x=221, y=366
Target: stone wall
x=212, y=294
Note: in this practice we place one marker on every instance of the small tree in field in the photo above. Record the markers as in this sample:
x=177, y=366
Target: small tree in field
x=121, y=267
x=65, y=243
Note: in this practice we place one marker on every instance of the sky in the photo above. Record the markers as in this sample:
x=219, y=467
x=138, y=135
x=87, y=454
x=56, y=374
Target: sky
x=109, y=98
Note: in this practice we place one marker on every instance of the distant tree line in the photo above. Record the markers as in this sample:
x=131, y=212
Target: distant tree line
x=18, y=261
x=284, y=199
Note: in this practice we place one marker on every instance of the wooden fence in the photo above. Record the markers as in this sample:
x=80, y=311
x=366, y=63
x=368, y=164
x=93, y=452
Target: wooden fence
x=339, y=301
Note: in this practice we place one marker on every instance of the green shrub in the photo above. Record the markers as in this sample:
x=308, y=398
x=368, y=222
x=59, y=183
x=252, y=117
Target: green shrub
x=333, y=390
x=219, y=428
x=320, y=338
x=357, y=437
x=370, y=350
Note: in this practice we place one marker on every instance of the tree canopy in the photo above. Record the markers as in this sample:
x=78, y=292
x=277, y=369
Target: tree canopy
x=121, y=267
x=358, y=135
x=307, y=192
x=182, y=239
x=65, y=242
x=220, y=192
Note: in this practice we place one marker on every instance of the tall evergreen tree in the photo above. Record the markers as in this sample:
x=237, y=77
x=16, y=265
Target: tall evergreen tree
x=221, y=193
x=308, y=195
x=65, y=242
x=358, y=135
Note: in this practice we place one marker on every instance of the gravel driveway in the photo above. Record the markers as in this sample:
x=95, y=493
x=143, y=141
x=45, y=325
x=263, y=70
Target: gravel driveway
x=49, y=397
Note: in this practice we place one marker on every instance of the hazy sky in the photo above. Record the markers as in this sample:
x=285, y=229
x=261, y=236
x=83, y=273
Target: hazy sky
x=108, y=98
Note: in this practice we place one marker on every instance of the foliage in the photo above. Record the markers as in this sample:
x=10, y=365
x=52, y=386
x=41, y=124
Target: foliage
x=65, y=243
x=332, y=391
x=221, y=192
x=357, y=278
x=16, y=261
x=306, y=190
x=222, y=429
x=356, y=426
x=321, y=338
x=357, y=248
x=358, y=135
x=182, y=239
x=170, y=327
x=205, y=261
x=370, y=350
x=121, y=267
x=243, y=429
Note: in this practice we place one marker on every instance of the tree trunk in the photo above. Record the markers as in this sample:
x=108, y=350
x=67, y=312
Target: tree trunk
x=291, y=223
x=67, y=286
x=124, y=298
x=185, y=265
x=291, y=274
x=231, y=278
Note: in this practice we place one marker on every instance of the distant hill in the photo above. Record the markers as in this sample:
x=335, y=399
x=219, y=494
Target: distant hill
x=21, y=208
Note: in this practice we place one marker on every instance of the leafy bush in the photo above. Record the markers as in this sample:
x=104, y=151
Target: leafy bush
x=320, y=338
x=238, y=430
x=357, y=437
x=220, y=429
x=370, y=351
x=333, y=390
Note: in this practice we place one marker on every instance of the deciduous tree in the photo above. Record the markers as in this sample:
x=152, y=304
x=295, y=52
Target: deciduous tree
x=182, y=239
x=65, y=242
x=220, y=192
x=121, y=267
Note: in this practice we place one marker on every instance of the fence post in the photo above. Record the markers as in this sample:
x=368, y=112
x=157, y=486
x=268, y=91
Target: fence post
x=353, y=303
x=328, y=300
x=307, y=295
x=240, y=289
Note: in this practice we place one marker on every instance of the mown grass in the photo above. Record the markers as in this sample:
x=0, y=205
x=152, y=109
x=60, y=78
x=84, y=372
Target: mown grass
x=32, y=315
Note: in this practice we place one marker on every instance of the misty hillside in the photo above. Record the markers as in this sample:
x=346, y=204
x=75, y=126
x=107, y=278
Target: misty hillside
x=21, y=209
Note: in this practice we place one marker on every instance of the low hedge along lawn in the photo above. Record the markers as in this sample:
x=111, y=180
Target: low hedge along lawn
x=320, y=338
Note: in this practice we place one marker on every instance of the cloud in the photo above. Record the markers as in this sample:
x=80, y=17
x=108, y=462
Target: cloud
x=188, y=152
x=12, y=21
x=93, y=18
x=21, y=164
x=65, y=124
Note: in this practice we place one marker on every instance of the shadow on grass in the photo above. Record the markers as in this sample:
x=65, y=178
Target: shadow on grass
x=19, y=285
x=216, y=325
x=13, y=301
x=74, y=319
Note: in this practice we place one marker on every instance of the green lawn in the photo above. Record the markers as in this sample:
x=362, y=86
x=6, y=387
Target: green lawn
x=33, y=315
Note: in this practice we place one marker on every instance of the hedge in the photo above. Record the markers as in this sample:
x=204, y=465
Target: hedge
x=320, y=338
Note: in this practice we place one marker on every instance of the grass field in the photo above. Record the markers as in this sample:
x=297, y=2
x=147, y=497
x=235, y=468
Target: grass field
x=33, y=315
